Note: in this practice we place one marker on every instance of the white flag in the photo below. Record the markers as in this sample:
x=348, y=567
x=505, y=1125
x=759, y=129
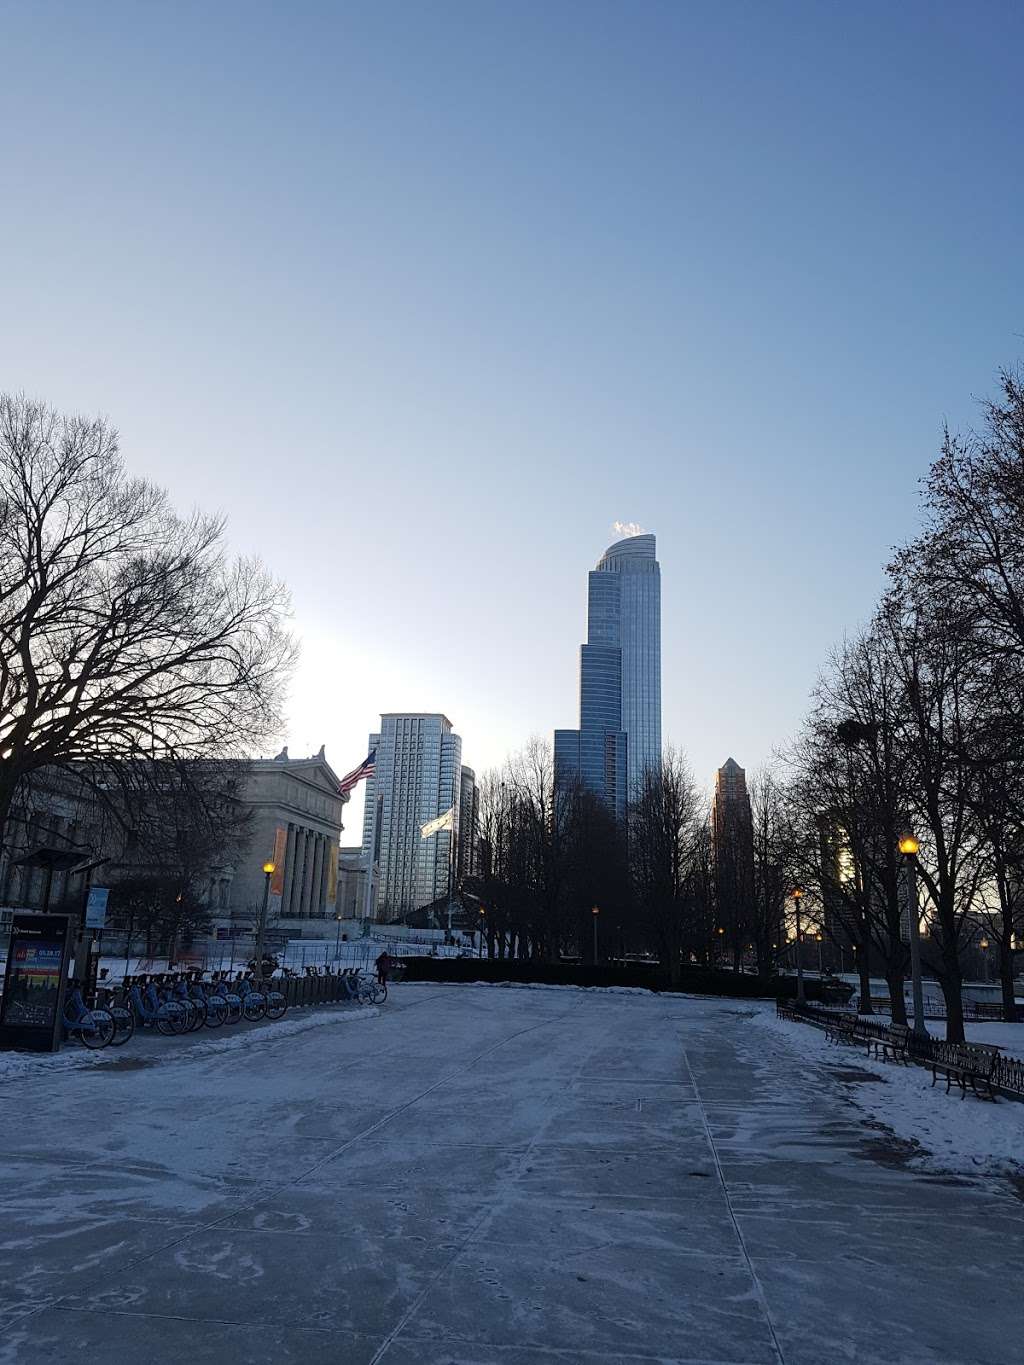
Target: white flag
x=445, y=821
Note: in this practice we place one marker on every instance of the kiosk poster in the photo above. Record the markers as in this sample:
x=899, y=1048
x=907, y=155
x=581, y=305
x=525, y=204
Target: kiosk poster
x=34, y=981
x=33, y=986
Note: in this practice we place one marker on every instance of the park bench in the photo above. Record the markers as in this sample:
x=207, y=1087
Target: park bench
x=841, y=1029
x=983, y=1009
x=966, y=1064
x=894, y=1046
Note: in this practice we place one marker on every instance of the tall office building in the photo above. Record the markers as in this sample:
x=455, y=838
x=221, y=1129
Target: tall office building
x=620, y=677
x=730, y=810
x=417, y=777
x=469, y=821
x=732, y=841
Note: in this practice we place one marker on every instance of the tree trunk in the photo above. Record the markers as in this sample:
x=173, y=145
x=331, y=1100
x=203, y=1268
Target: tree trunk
x=864, y=972
x=950, y=980
x=894, y=980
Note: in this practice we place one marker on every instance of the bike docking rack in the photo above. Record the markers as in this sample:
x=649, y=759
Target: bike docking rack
x=175, y=1003
x=320, y=986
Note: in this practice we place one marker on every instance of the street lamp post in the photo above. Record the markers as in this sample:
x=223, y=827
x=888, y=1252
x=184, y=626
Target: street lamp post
x=337, y=938
x=268, y=872
x=595, y=911
x=908, y=847
x=983, y=945
x=480, y=945
x=801, y=998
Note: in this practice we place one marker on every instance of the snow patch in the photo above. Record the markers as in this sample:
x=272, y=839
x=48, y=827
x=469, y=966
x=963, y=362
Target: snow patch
x=25, y=1065
x=968, y=1136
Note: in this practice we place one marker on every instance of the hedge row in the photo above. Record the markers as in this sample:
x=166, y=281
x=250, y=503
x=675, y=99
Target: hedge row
x=693, y=980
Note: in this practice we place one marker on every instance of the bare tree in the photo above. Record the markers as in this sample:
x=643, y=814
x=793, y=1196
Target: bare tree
x=965, y=573
x=125, y=630
x=934, y=655
x=669, y=862
x=972, y=547
x=773, y=878
x=526, y=837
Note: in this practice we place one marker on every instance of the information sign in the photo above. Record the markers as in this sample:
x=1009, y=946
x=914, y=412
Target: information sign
x=96, y=907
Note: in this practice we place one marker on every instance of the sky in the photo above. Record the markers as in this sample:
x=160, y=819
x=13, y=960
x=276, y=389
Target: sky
x=424, y=297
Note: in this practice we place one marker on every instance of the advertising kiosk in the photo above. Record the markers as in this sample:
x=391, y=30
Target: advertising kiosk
x=32, y=1007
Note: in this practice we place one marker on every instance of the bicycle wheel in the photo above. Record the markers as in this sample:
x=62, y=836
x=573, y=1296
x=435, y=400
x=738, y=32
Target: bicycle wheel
x=170, y=1019
x=380, y=992
x=95, y=1028
x=216, y=1011
x=124, y=1026
x=254, y=1006
x=234, y=1008
x=277, y=1005
x=199, y=1007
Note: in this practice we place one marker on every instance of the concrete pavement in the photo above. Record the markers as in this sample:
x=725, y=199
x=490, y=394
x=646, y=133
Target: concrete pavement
x=487, y=1175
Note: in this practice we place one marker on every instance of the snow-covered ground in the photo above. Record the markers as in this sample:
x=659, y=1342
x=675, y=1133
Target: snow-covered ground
x=948, y=1134
x=482, y=1175
x=1010, y=1037
x=152, y=1048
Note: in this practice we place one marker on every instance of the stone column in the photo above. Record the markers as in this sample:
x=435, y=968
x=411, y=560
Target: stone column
x=289, y=873
x=315, y=902
x=325, y=876
x=307, y=872
x=300, y=867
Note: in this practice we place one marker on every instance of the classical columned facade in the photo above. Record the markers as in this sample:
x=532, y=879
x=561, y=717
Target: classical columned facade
x=297, y=812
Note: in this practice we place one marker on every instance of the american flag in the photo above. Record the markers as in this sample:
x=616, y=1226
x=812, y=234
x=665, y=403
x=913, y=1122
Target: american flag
x=365, y=769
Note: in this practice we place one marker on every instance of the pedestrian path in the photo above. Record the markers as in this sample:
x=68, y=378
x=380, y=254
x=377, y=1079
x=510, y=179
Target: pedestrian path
x=492, y=1175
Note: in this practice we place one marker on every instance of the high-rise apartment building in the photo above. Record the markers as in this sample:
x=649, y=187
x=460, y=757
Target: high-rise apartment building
x=417, y=777
x=620, y=677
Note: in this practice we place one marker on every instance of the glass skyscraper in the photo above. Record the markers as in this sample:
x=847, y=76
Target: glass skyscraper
x=417, y=777
x=620, y=677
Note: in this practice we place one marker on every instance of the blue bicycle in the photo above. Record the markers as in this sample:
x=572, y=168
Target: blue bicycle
x=166, y=1016
x=93, y=1028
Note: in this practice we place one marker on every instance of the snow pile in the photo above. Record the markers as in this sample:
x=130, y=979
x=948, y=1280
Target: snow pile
x=27, y=1065
x=965, y=1136
x=290, y=1025
x=19, y=1065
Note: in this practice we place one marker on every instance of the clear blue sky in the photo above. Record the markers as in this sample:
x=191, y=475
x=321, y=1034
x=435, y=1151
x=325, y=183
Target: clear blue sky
x=425, y=296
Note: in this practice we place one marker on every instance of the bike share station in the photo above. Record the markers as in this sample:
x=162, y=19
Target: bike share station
x=40, y=956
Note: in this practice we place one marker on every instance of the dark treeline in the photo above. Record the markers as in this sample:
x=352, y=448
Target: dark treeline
x=914, y=727
x=550, y=856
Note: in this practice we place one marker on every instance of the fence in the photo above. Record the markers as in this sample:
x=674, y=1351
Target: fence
x=1007, y=1074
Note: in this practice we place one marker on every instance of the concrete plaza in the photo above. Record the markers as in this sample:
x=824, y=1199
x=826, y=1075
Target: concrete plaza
x=483, y=1175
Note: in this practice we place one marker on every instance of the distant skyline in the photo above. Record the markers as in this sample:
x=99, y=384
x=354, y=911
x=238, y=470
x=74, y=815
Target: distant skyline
x=425, y=298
